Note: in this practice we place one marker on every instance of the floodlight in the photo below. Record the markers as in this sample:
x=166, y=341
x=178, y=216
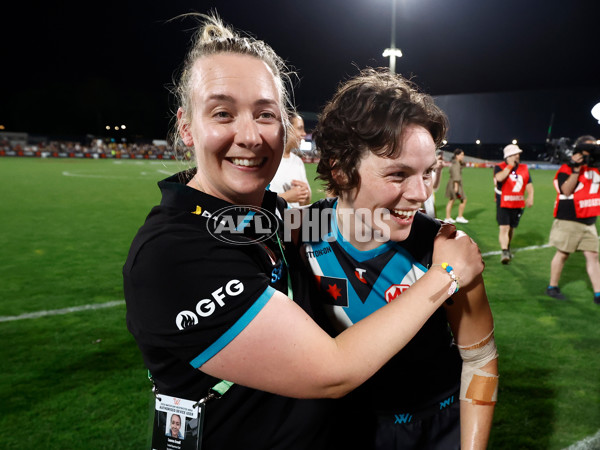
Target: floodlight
x=392, y=52
x=596, y=112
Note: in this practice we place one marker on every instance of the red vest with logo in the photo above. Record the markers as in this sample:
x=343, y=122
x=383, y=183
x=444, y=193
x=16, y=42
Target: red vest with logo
x=586, y=196
x=513, y=188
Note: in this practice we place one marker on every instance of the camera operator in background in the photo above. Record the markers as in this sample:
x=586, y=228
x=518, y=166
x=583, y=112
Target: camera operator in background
x=576, y=208
x=511, y=182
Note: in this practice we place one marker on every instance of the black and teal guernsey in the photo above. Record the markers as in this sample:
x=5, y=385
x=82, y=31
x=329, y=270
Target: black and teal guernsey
x=355, y=283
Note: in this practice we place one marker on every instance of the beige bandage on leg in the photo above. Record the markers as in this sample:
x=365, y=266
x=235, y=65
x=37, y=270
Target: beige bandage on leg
x=477, y=386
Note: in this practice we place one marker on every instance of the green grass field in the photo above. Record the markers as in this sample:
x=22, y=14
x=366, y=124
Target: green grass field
x=77, y=380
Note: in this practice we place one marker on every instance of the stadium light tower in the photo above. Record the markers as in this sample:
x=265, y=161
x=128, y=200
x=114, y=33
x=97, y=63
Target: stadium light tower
x=393, y=52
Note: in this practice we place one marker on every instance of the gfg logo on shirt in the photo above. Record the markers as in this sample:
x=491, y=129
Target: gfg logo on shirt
x=207, y=306
x=233, y=222
x=186, y=319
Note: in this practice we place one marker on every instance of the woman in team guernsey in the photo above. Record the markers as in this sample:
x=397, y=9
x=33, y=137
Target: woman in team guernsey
x=377, y=140
x=218, y=302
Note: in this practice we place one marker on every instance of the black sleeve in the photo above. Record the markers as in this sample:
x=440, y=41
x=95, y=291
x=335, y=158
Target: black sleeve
x=561, y=177
x=193, y=295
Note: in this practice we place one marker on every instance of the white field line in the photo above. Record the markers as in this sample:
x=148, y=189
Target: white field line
x=515, y=250
x=531, y=247
x=164, y=170
x=66, y=173
x=84, y=175
x=589, y=443
x=56, y=312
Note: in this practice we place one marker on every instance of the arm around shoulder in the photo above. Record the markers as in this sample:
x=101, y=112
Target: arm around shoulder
x=283, y=351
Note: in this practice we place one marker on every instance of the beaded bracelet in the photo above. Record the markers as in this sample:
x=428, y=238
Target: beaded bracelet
x=454, y=285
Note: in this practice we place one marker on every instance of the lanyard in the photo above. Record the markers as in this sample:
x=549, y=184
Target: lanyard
x=289, y=278
x=215, y=392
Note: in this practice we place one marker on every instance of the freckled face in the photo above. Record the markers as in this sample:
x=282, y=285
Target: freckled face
x=399, y=185
x=236, y=128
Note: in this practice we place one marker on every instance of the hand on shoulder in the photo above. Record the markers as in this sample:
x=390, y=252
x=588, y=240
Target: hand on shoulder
x=460, y=251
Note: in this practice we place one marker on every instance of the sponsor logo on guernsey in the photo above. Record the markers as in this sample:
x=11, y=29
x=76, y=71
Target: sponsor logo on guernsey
x=513, y=198
x=394, y=291
x=319, y=252
x=186, y=319
x=277, y=273
x=207, y=306
x=588, y=203
x=359, y=274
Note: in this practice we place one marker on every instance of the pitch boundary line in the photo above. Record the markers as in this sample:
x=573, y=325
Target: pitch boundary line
x=56, y=312
x=588, y=443
x=531, y=247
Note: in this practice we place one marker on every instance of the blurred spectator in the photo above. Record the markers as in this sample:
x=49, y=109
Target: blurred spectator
x=436, y=176
x=454, y=188
x=290, y=181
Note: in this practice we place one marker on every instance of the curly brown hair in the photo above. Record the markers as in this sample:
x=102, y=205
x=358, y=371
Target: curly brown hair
x=368, y=113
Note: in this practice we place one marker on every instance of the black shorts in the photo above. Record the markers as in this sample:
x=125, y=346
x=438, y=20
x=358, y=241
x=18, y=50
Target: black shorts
x=407, y=431
x=509, y=216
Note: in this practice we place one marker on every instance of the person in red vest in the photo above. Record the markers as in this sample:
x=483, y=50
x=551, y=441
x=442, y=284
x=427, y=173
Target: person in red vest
x=514, y=192
x=576, y=208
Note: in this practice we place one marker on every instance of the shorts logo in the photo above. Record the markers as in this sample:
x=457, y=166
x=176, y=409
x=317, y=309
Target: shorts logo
x=231, y=223
x=394, y=291
x=186, y=319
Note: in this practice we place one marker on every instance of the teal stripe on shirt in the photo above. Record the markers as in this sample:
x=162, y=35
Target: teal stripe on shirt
x=236, y=329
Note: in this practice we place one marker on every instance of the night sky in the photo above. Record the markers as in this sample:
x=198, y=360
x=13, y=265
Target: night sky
x=74, y=68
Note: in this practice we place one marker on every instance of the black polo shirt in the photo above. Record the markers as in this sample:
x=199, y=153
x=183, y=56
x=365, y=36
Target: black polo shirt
x=192, y=282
